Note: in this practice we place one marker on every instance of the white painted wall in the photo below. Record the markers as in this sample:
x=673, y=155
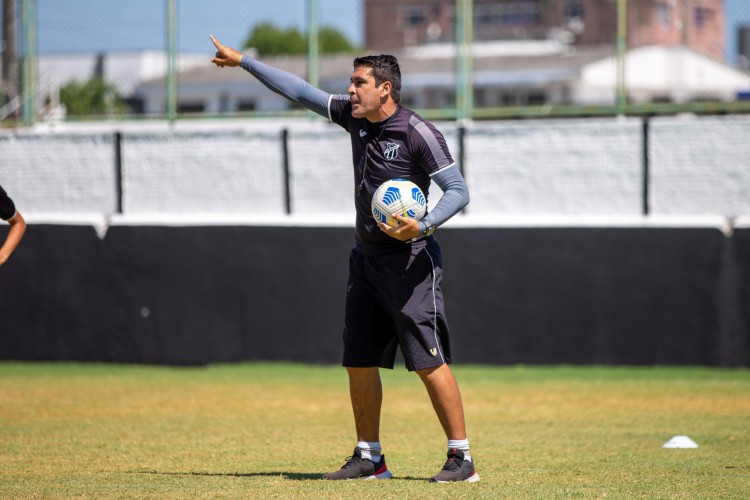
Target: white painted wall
x=202, y=172
x=553, y=167
x=699, y=166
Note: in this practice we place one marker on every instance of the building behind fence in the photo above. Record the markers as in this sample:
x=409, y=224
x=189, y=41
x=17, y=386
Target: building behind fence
x=461, y=58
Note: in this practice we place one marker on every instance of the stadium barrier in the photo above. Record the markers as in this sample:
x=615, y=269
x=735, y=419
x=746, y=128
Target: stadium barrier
x=637, y=292
x=654, y=166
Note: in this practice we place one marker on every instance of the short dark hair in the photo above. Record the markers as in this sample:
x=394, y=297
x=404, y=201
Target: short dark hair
x=384, y=68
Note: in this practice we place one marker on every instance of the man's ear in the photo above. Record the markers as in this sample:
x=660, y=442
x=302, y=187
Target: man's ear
x=386, y=90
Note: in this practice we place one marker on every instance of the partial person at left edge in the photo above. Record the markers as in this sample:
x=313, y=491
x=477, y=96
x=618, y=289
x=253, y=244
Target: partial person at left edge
x=17, y=223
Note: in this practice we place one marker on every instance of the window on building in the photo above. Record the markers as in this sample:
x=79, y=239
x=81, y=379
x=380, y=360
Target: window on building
x=573, y=10
x=702, y=16
x=451, y=15
x=136, y=105
x=246, y=105
x=663, y=13
x=481, y=97
x=518, y=13
x=522, y=97
x=644, y=15
x=483, y=15
x=223, y=102
x=408, y=100
x=190, y=107
x=574, y=16
x=536, y=98
x=414, y=15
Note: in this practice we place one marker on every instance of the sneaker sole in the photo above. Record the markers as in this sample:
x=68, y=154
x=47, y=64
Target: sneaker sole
x=383, y=475
x=474, y=478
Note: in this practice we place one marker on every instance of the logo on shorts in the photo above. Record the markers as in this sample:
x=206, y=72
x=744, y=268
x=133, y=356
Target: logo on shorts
x=433, y=351
x=391, y=151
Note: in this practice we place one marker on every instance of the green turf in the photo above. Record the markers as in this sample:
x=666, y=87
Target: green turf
x=270, y=430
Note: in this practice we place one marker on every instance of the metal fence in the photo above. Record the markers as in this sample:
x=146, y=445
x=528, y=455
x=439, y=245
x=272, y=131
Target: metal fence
x=461, y=59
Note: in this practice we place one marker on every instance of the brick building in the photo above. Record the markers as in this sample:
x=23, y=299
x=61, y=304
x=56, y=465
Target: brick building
x=696, y=24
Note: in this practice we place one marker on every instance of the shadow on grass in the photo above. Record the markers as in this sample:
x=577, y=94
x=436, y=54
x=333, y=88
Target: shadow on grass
x=293, y=476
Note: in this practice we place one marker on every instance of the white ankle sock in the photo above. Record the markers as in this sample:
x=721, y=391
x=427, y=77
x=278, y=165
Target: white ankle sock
x=370, y=450
x=460, y=444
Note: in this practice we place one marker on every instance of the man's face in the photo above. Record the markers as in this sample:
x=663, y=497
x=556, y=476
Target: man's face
x=366, y=97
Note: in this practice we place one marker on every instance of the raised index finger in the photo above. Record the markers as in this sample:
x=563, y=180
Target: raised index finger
x=216, y=42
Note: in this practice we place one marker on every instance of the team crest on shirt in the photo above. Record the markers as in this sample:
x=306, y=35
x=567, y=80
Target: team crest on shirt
x=362, y=133
x=391, y=151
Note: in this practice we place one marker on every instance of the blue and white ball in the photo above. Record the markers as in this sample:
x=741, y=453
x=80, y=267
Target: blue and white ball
x=398, y=196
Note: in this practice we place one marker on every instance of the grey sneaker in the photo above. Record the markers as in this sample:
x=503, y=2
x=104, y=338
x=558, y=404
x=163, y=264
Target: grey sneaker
x=357, y=467
x=457, y=468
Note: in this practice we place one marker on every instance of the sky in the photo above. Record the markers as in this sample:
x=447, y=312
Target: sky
x=134, y=25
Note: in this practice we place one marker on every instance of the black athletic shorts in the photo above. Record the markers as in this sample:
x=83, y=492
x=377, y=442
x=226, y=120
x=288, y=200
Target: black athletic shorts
x=396, y=300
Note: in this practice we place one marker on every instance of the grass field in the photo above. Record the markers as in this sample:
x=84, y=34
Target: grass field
x=270, y=430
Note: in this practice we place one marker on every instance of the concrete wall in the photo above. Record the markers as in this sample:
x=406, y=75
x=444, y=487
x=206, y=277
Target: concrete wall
x=700, y=166
x=597, y=166
x=234, y=278
x=202, y=294
x=553, y=167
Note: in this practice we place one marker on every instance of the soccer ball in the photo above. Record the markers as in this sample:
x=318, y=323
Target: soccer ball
x=398, y=196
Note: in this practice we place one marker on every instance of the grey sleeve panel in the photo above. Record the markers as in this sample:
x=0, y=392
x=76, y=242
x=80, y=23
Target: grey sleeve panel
x=441, y=159
x=288, y=85
x=455, y=196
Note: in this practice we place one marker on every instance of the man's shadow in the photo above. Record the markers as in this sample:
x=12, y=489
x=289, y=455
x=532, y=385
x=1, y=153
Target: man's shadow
x=292, y=476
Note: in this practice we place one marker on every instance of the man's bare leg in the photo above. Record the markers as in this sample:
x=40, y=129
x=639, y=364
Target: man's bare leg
x=366, y=393
x=446, y=399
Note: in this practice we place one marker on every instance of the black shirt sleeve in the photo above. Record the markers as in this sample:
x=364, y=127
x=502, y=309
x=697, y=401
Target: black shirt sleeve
x=7, y=208
x=340, y=110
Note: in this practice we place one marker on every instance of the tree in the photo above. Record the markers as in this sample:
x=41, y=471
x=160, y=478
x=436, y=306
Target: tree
x=92, y=97
x=332, y=41
x=269, y=40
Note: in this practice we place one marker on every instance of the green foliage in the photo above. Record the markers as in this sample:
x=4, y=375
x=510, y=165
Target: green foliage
x=92, y=97
x=333, y=41
x=270, y=40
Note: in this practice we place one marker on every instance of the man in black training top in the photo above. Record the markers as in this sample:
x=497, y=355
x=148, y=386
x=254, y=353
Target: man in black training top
x=394, y=295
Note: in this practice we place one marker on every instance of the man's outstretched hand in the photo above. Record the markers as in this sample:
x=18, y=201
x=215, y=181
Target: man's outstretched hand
x=225, y=56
